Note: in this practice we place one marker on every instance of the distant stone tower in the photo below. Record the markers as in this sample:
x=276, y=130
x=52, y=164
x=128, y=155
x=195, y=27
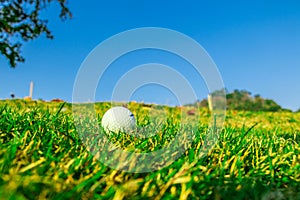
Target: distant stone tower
x=210, y=103
x=31, y=89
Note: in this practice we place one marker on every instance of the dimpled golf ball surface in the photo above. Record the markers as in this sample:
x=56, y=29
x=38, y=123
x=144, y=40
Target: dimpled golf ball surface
x=118, y=119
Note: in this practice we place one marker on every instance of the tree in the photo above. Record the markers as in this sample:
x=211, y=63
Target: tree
x=243, y=100
x=20, y=22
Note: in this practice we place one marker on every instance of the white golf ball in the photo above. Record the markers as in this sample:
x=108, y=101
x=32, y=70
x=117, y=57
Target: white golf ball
x=118, y=119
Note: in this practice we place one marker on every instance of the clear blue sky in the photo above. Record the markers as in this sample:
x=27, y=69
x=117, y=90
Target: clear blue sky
x=255, y=44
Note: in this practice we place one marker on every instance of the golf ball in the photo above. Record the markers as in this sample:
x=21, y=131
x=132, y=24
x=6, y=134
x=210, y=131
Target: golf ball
x=118, y=119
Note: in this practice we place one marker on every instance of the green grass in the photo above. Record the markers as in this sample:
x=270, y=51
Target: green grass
x=41, y=156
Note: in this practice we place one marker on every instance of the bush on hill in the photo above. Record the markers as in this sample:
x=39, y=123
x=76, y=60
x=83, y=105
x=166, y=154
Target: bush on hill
x=243, y=100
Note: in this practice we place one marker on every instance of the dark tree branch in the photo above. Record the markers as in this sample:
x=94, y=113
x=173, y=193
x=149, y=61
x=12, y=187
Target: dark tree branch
x=20, y=22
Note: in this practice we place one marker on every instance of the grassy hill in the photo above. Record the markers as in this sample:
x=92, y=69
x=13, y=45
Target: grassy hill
x=257, y=155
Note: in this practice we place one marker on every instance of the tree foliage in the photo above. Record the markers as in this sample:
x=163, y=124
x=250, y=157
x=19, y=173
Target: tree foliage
x=20, y=22
x=243, y=100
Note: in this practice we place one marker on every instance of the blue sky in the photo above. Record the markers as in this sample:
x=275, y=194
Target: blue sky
x=255, y=44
